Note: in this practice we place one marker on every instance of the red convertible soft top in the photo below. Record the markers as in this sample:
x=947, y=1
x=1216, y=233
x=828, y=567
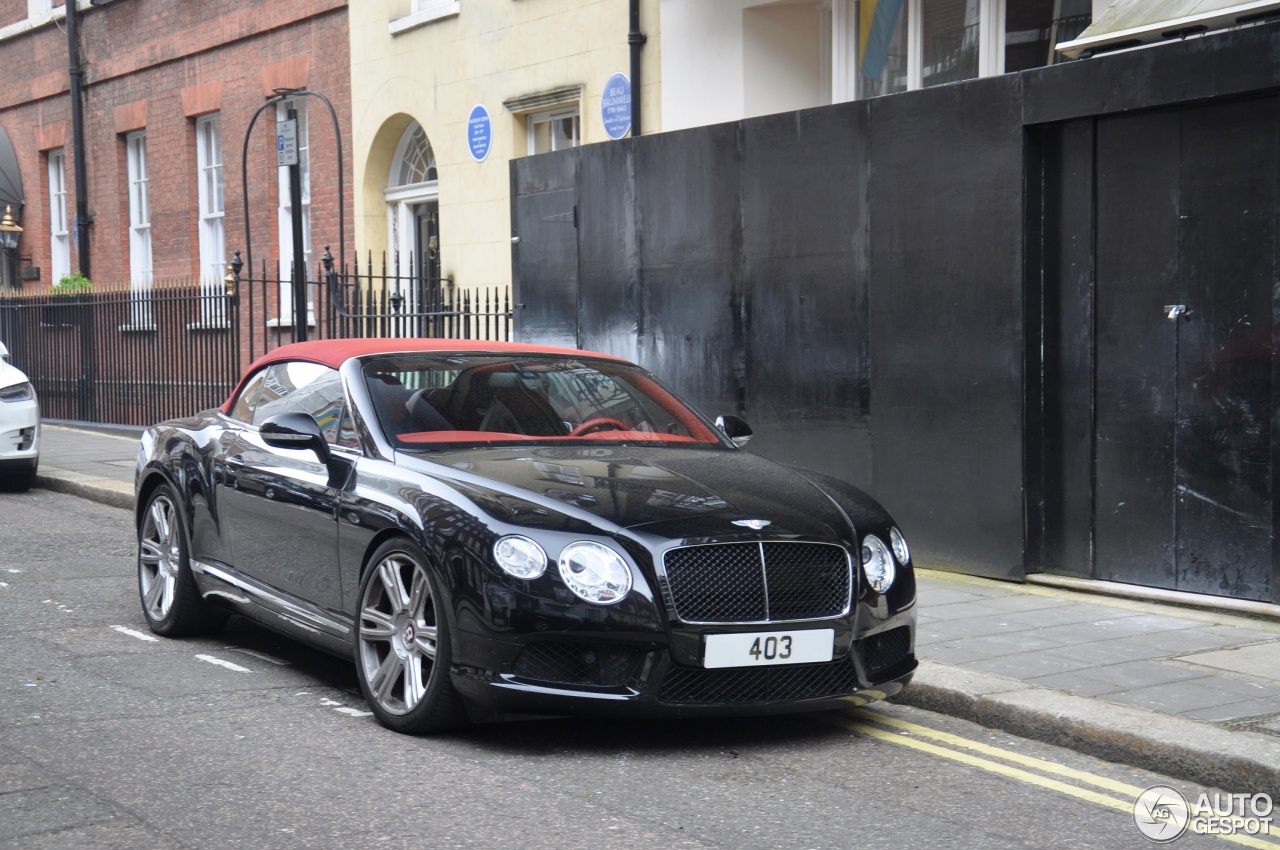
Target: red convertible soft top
x=335, y=352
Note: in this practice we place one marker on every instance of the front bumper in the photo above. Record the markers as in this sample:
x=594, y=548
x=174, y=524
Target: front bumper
x=614, y=676
x=19, y=432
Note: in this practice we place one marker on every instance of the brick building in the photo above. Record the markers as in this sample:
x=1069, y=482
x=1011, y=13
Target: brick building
x=169, y=91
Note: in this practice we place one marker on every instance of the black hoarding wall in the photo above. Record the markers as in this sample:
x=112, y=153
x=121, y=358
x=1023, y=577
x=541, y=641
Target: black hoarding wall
x=743, y=263
x=947, y=297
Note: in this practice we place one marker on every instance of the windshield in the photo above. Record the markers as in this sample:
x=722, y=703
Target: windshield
x=424, y=399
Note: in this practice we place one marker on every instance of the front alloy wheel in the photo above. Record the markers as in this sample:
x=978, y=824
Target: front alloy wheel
x=402, y=645
x=170, y=599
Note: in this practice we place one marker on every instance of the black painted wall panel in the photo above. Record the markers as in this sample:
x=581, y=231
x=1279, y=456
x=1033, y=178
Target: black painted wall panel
x=545, y=261
x=610, y=314
x=1063, y=438
x=1225, y=406
x=1137, y=268
x=688, y=212
x=804, y=246
x=946, y=320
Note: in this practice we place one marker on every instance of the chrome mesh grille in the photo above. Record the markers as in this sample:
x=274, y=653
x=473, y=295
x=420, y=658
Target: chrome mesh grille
x=758, y=582
x=762, y=684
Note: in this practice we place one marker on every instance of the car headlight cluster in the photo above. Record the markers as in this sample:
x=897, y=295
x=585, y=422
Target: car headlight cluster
x=520, y=556
x=878, y=561
x=593, y=571
x=17, y=392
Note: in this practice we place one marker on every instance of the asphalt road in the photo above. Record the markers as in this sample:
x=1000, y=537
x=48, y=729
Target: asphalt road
x=112, y=738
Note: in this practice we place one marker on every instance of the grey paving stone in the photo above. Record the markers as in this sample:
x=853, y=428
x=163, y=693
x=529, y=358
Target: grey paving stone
x=1063, y=615
x=1095, y=681
x=1139, y=624
x=958, y=611
x=1026, y=602
x=1174, y=697
x=1102, y=652
x=1033, y=667
x=1259, y=658
x=1232, y=711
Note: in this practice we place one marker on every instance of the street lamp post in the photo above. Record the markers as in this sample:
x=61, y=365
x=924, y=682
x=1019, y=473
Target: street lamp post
x=295, y=200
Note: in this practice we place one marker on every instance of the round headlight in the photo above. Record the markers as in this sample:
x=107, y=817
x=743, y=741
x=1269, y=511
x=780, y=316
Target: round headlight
x=520, y=556
x=595, y=572
x=877, y=563
x=899, y=544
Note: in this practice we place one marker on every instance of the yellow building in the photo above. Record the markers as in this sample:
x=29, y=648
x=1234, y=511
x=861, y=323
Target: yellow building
x=431, y=176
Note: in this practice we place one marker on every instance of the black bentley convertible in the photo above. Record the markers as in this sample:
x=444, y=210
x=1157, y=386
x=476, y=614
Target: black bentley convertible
x=491, y=529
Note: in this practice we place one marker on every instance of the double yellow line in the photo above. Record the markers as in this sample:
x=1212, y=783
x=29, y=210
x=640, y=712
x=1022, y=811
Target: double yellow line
x=1013, y=765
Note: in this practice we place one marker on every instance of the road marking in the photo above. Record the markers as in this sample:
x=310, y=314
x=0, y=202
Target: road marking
x=354, y=712
x=907, y=734
x=221, y=663
x=134, y=633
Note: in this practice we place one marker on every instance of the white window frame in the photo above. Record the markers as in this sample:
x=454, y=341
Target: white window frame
x=844, y=35
x=212, y=212
x=401, y=198
x=59, y=232
x=548, y=116
x=285, y=215
x=424, y=12
x=140, y=270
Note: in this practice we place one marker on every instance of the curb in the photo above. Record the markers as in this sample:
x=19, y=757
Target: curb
x=106, y=491
x=1185, y=749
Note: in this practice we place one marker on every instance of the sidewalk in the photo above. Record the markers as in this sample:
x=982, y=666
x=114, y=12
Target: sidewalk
x=1191, y=692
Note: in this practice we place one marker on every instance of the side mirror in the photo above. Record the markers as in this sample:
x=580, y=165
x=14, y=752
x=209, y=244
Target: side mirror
x=735, y=428
x=295, y=431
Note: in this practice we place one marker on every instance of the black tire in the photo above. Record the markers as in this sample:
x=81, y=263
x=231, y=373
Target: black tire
x=171, y=602
x=404, y=645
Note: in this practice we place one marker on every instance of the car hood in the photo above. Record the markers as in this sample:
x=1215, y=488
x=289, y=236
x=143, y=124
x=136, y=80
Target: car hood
x=671, y=492
x=10, y=375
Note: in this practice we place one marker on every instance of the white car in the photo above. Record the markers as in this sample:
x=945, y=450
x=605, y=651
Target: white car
x=19, y=427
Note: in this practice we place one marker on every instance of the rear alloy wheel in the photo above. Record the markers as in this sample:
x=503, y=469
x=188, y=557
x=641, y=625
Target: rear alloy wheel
x=170, y=599
x=403, y=644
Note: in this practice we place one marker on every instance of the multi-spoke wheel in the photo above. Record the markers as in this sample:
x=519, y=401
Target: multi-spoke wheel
x=402, y=643
x=170, y=600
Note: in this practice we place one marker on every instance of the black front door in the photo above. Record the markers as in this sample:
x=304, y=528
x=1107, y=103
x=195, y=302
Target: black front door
x=1185, y=268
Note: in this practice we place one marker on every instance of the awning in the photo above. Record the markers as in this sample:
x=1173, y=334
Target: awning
x=1129, y=23
x=10, y=177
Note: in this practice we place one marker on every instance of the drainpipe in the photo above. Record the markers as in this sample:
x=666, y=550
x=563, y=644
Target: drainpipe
x=77, y=138
x=636, y=39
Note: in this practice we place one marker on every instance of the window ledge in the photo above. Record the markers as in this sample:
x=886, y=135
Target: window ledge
x=209, y=326
x=138, y=328
x=434, y=11
x=287, y=322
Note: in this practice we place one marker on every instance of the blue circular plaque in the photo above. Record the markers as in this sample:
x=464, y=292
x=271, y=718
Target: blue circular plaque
x=479, y=132
x=615, y=106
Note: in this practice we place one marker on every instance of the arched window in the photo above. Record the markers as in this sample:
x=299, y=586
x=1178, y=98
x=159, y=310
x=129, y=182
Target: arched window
x=413, y=220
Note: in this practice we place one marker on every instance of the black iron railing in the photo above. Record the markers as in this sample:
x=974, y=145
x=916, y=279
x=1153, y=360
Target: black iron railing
x=134, y=356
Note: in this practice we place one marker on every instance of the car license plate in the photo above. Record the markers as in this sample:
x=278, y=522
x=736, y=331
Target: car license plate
x=757, y=649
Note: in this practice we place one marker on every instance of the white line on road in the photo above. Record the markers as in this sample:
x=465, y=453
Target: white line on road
x=134, y=633
x=221, y=663
x=354, y=712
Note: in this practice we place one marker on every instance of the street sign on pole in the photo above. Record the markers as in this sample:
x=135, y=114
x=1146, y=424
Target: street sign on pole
x=287, y=142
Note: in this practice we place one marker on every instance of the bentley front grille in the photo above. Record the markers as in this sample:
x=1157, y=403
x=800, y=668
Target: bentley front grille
x=759, y=582
x=692, y=685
